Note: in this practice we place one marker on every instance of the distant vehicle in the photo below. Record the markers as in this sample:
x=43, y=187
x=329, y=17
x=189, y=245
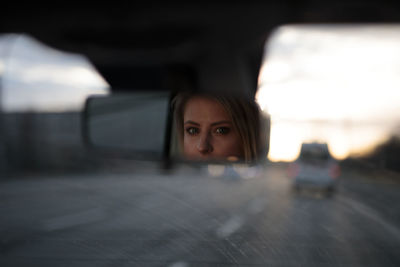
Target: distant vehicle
x=315, y=168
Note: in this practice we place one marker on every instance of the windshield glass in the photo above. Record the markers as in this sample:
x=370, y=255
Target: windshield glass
x=323, y=125
x=331, y=83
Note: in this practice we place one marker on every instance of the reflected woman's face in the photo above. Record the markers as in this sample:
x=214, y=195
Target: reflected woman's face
x=209, y=131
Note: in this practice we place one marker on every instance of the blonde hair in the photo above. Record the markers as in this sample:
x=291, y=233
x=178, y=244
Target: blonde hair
x=245, y=116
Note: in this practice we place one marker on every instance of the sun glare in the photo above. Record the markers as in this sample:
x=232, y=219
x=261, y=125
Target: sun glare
x=335, y=84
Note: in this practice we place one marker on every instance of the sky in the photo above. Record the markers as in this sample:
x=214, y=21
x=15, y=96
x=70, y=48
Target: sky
x=331, y=83
x=36, y=77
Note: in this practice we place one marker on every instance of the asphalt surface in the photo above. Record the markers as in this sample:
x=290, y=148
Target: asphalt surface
x=198, y=217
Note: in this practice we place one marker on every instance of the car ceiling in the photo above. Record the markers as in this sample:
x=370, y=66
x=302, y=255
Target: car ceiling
x=196, y=42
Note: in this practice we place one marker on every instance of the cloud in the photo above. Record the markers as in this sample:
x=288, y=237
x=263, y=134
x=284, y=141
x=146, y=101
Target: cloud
x=36, y=77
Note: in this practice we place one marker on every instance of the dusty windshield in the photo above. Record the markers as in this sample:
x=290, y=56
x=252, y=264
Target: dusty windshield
x=305, y=171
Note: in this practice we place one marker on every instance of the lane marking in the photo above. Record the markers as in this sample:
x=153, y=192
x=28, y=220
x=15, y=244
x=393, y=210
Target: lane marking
x=230, y=226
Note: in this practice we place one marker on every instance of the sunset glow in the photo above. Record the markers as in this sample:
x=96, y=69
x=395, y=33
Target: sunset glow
x=335, y=84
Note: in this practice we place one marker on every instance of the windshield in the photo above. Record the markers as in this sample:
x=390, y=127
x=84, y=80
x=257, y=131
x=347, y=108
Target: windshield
x=331, y=83
x=323, y=124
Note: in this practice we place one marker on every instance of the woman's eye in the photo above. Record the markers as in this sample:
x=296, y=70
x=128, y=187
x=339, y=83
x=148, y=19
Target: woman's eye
x=192, y=130
x=222, y=130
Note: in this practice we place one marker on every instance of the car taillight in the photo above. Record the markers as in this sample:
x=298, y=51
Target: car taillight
x=293, y=170
x=334, y=171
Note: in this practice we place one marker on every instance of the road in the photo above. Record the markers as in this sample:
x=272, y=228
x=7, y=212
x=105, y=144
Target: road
x=195, y=217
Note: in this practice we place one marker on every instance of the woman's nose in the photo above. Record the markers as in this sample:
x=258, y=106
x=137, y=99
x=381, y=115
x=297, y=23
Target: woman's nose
x=204, y=146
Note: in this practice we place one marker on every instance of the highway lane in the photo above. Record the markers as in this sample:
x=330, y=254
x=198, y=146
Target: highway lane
x=192, y=218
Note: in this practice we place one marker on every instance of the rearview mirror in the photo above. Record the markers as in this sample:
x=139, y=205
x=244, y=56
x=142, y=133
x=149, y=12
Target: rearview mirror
x=156, y=126
x=133, y=123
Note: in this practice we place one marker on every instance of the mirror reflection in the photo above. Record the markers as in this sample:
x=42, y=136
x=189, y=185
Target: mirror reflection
x=204, y=127
x=217, y=127
x=129, y=123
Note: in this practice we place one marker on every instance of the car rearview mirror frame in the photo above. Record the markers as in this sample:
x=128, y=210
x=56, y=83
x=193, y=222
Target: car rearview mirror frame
x=150, y=136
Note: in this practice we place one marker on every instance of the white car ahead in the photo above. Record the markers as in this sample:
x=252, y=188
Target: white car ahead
x=315, y=168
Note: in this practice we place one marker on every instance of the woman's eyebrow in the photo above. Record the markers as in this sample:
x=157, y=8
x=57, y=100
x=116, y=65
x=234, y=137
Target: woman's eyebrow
x=192, y=122
x=212, y=124
x=220, y=122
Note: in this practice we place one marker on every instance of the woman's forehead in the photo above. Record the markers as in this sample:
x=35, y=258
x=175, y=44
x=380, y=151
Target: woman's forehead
x=200, y=108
